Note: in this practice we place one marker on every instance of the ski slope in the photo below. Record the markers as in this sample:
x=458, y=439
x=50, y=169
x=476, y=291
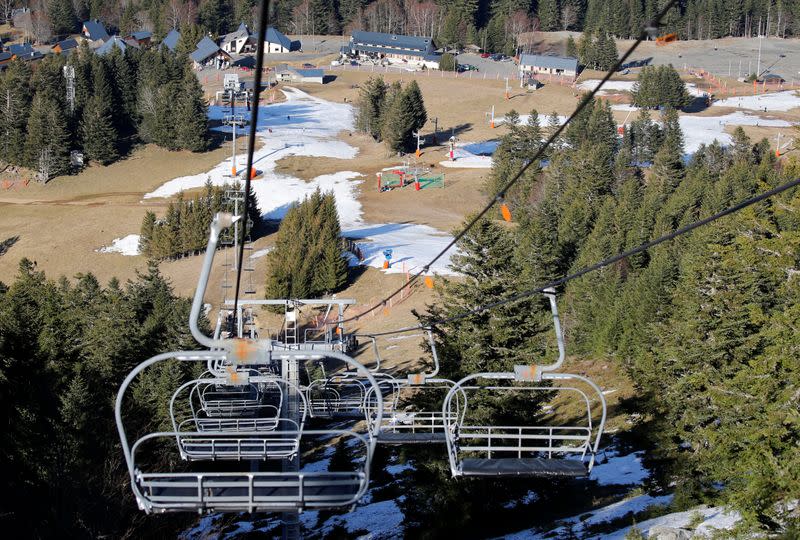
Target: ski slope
x=778, y=101
x=307, y=126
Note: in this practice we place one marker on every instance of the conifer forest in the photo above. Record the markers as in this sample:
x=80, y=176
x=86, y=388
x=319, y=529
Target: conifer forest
x=630, y=241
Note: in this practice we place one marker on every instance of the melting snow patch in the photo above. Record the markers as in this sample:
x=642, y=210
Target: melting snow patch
x=779, y=101
x=699, y=130
x=127, y=245
x=260, y=253
x=412, y=246
x=714, y=519
x=578, y=526
x=591, y=84
x=381, y=520
x=621, y=470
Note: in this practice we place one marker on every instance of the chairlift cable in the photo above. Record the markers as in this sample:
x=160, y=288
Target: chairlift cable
x=601, y=264
x=263, y=22
x=498, y=197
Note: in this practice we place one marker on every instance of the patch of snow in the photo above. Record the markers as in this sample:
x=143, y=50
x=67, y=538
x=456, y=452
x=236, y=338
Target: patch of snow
x=394, y=470
x=202, y=529
x=714, y=519
x=382, y=519
x=301, y=126
x=626, y=107
x=320, y=465
x=260, y=253
x=412, y=246
x=621, y=470
x=778, y=101
x=404, y=336
x=482, y=148
x=127, y=245
x=573, y=527
x=699, y=130
x=590, y=84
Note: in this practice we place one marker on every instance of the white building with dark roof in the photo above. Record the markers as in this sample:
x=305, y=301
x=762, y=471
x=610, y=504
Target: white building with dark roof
x=394, y=48
x=531, y=65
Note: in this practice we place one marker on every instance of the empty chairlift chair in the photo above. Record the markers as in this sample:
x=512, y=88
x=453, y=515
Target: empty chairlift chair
x=168, y=485
x=524, y=448
x=258, y=435
x=413, y=406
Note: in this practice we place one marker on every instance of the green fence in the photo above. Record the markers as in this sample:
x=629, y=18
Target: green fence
x=436, y=181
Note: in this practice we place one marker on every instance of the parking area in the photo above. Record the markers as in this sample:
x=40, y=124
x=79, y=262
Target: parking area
x=491, y=67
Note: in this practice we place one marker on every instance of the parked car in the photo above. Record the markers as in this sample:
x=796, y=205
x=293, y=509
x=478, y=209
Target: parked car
x=485, y=55
x=468, y=67
x=309, y=66
x=496, y=57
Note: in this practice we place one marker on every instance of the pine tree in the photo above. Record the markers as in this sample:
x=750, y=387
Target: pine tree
x=414, y=96
x=372, y=100
x=47, y=143
x=146, y=233
x=216, y=16
x=191, y=115
x=572, y=47
x=98, y=132
x=548, y=15
x=61, y=16
x=14, y=109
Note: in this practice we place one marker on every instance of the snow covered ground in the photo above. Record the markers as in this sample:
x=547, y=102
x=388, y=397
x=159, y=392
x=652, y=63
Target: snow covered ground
x=127, y=245
x=778, y=101
x=699, y=130
x=308, y=126
x=590, y=84
x=611, y=87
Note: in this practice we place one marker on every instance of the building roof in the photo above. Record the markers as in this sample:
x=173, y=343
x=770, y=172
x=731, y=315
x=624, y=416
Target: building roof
x=550, y=62
x=20, y=49
x=393, y=41
x=109, y=45
x=241, y=32
x=205, y=49
x=392, y=50
x=5, y=56
x=66, y=44
x=95, y=30
x=171, y=39
x=274, y=36
x=141, y=35
x=310, y=72
x=24, y=51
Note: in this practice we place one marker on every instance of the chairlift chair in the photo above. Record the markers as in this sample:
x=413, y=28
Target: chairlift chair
x=215, y=490
x=532, y=450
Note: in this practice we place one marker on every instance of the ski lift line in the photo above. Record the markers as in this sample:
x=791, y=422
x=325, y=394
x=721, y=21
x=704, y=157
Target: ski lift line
x=646, y=32
x=263, y=22
x=601, y=264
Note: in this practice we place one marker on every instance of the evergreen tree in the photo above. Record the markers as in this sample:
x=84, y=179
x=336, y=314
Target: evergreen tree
x=548, y=15
x=372, y=98
x=47, y=143
x=191, y=115
x=98, y=132
x=14, y=108
x=448, y=62
x=62, y=17
x=572, y=47
x=216, y=16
